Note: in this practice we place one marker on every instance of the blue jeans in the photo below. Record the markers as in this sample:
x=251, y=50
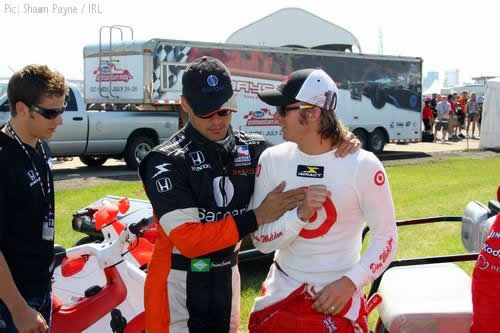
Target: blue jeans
x=40, y=304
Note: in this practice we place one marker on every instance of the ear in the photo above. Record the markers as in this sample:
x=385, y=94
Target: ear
x=315, y=114
x=185, y=105
x=21, y=108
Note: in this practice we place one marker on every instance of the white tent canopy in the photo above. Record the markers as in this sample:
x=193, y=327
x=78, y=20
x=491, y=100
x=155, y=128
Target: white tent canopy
x=490, y=121
x=293, y=27
x=435, y=88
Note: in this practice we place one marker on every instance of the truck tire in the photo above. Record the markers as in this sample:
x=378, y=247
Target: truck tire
x=376, y=141
x=93, y=160
x=362, y=137
x=137, y=150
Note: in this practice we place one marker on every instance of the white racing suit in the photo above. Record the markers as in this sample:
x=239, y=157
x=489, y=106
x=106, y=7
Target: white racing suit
x=316, y=253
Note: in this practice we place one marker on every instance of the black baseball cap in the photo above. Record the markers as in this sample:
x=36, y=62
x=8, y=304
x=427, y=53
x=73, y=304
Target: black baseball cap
x=206, y=84
x=312, y=86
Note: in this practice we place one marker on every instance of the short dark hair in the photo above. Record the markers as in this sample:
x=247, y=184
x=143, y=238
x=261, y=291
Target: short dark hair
x=32, y=83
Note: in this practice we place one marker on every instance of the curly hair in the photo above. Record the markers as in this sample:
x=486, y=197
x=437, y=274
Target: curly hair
x=32, y=83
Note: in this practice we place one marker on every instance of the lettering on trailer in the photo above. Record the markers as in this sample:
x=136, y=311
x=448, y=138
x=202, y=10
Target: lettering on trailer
x=108, y=72
x=250, y=87
x=262, y=117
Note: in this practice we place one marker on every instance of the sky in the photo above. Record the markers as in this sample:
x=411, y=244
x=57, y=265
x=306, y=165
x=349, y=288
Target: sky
x=445, y=34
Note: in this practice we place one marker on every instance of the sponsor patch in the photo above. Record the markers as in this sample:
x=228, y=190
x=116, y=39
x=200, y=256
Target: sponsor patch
x=310, y=171
x=481, y=262
x=223, y=191
x=200, y=265
x=243, y=155
x=198, y=160
x=161, y=169
x=379, y=178
x=330, y=324
x=243, y=171
x=197, y=157
x=163, y=185
x=32, y=175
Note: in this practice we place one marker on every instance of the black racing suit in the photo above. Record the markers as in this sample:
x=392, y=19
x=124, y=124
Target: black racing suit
x=199, y=190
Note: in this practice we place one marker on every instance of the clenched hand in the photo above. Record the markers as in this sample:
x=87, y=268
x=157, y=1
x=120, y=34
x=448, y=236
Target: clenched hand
x=315, y=196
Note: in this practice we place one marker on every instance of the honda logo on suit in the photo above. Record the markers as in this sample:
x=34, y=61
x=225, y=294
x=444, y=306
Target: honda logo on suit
x=163, y=185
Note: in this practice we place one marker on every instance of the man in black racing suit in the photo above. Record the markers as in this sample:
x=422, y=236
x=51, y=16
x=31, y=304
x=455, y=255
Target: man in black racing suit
x=199, y=183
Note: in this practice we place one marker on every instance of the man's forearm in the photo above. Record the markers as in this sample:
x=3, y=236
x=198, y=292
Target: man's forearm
x=9, y=293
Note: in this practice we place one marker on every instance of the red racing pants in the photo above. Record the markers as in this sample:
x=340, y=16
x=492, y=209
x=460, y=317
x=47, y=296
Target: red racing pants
x=295, y=314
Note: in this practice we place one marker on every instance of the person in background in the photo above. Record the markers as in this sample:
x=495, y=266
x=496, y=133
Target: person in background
x=453, y=122
x=472, y=115
x=434, y=101
x=316, y=281
x=37, y=99
x=427, y=116
x=443, y=116
x=480, y=102
x=462, y=101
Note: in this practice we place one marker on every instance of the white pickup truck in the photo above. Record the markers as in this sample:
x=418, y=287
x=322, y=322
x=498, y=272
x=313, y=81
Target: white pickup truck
x=96, y=135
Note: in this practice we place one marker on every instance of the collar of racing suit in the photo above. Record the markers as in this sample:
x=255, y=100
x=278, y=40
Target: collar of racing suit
x=225, y=149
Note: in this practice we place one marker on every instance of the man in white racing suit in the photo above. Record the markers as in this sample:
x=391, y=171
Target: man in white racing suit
x=316, y=281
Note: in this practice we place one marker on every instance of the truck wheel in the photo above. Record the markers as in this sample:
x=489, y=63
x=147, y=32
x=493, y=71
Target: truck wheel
x=93, y=160
x=362, y=137
x=376, y=141
x=137, y=150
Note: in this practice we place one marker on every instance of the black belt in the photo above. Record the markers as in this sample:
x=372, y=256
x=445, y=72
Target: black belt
x=200, y=265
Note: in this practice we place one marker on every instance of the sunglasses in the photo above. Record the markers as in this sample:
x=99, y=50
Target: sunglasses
x=221, y=113
x=282, y=110
x=48, y=113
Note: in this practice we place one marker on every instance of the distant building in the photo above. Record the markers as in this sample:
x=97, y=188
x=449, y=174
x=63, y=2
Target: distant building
x=429, y=79
x=482, y=79
x=451, y=77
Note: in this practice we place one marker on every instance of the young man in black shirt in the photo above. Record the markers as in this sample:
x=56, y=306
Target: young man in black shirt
x=37, y=98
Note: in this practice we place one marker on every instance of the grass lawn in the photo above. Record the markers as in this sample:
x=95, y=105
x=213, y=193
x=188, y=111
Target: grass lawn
x=434, y=188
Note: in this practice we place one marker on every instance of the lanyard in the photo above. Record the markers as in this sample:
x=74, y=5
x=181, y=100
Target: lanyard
x=45, y=194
